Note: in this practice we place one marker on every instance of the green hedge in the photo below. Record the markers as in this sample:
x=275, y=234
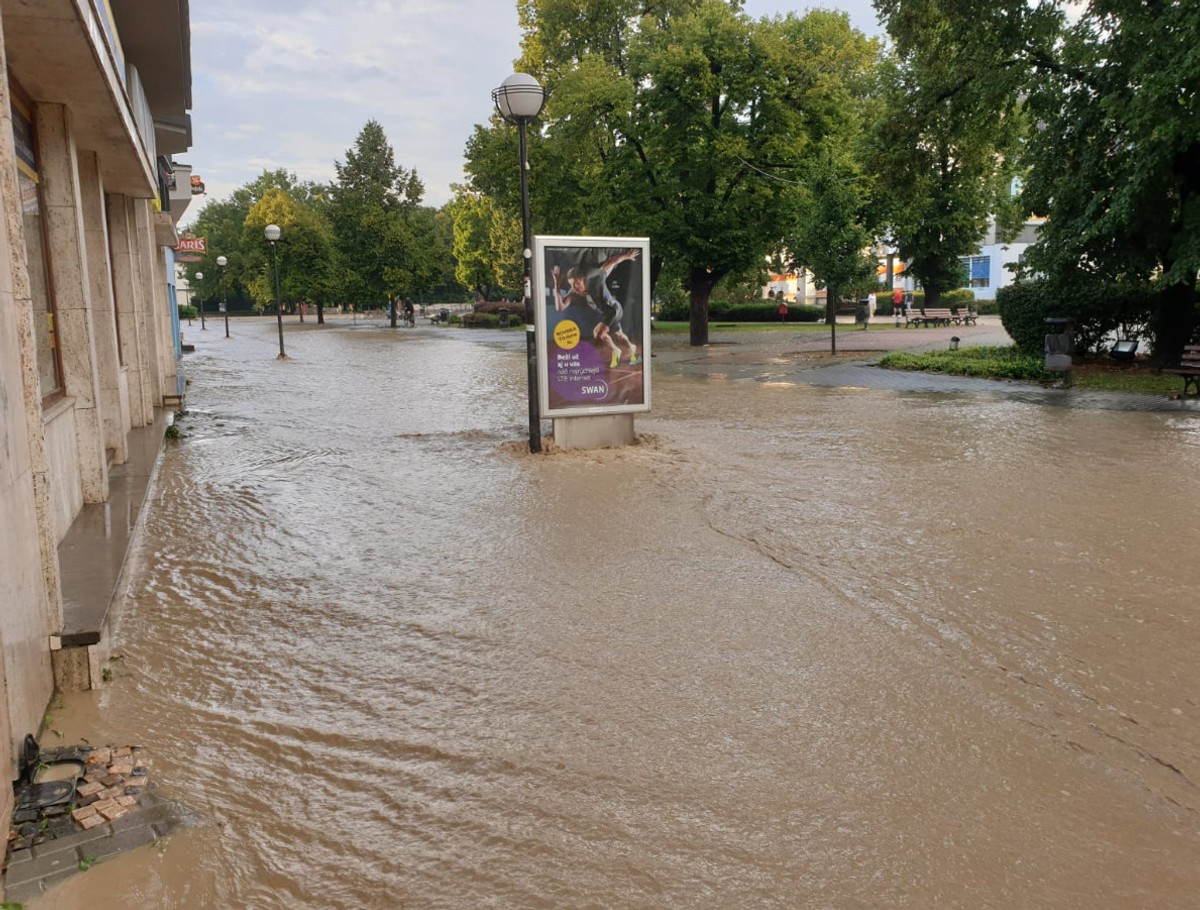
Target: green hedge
x=724, y=311
x=1098, y=310
x=188, y=312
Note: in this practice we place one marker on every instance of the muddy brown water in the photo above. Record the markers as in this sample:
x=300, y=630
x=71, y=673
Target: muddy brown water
x=801, y=647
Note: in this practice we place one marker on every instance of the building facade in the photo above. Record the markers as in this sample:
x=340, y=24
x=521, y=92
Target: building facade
x=96, y=95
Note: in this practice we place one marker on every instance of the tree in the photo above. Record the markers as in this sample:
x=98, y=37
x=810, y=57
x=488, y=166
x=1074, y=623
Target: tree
x=1115, y=163
x=947, y=145
x=669, y=121
x=487, y=244
x=371, y=206
x=305, y=253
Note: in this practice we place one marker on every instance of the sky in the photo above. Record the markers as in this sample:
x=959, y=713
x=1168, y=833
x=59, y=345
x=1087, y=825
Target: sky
x=291, y=84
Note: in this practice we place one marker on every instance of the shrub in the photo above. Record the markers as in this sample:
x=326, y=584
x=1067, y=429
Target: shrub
x=188, y=312
x=1097, y=309
x=981, y=362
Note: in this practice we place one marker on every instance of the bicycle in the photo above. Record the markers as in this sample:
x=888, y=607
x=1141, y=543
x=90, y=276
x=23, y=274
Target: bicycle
x=407, y=318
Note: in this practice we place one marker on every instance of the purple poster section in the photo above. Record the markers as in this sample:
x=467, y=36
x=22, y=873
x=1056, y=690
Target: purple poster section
x=595, y=332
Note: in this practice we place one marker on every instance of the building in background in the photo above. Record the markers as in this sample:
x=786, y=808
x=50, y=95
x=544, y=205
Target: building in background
x=96, y=104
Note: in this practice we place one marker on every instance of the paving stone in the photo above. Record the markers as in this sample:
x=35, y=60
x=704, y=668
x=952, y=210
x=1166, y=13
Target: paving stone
x=110, y=780
x=122, y=768
x=19, y=856
x=122, y=840
x=114, y=812
x=100, y=757
x=123, y=752
x=111, y=793
x=85, y=812
x=89, y=789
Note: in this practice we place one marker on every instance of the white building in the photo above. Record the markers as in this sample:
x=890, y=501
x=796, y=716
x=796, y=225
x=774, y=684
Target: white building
x=95, y=102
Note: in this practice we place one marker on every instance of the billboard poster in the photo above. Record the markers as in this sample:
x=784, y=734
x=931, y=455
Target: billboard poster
x=592, y=297
x=191, y=249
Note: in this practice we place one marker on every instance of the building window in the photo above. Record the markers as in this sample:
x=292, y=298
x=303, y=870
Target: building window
x=979, y=271
x=45, y=328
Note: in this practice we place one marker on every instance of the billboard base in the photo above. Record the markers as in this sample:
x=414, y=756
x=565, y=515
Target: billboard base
x=600, y=432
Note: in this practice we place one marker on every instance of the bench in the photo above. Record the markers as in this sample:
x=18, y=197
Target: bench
x=913, y=317
x=937, y=316
x=1189, y=369
x=965, y=317
x=439, y=316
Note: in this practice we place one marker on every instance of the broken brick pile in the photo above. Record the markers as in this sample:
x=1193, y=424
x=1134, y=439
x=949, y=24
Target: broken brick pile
x=111, y=784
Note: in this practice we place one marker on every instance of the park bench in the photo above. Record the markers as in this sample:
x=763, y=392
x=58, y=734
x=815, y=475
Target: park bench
x=439, y=316
x=1189, y=369
x=936, y=316
x=965, y=317
x=913, y=317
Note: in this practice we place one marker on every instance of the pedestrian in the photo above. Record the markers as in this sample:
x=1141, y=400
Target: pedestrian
x=782, y=310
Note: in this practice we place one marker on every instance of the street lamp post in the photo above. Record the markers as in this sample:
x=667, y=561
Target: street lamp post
x=272, y=232
x=200, y=277
x=222, y=262
x=519, y=99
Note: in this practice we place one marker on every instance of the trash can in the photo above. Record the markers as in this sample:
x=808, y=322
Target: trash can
x=503, y=318
x=1060, y=341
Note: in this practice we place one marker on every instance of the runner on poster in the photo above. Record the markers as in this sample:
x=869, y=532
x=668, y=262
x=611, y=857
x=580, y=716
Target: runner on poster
x=593, y=342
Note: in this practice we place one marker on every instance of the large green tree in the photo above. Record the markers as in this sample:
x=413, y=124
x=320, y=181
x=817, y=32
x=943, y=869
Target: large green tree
x=1115, y=163
x=673, y=121
x=305, y=254
x=947, y=145
x=372, y=206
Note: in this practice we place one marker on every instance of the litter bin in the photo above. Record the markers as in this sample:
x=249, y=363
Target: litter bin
x=503, y=318
x=1060, y=341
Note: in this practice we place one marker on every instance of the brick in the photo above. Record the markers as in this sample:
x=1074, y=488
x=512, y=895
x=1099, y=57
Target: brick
x=85, y=812
x=123, y=768
x=100, y=757
x=113, y=813
x=89, y=789
x=111, y=780
x=123, y=752
x=126, y=801
x=111, y=793
x=91, y=821
x=104, y=804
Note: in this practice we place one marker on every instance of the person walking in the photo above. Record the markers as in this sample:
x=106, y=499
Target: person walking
x=782, y=310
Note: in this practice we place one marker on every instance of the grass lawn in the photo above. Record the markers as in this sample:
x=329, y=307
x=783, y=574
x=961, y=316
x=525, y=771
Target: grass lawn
x=681, y=328
x=1099, y=373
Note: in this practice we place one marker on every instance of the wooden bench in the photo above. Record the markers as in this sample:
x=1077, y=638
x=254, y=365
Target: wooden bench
x=937, y=316
x=913, y=317
x=965, y=317
x=1189, y=369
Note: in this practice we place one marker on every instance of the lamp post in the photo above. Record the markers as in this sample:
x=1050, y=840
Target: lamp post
x=222, y=262
x=519, y=99
x=200, y=277
x=272, y=232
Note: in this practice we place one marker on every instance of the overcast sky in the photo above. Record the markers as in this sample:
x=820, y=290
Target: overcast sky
x=290, y=84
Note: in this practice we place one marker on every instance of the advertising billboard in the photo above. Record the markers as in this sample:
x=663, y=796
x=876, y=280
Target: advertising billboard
x=592, y=311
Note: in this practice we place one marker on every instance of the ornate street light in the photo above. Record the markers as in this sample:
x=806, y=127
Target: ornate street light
x=272, y=233
x=519, y=99
x=222, y=262
x=200, y=277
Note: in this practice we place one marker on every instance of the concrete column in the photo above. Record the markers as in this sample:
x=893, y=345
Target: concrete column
x=601, y=431
x=144, y=250
x=72, y=292
x=114, y=418
x=127, y=290
x=30, y=598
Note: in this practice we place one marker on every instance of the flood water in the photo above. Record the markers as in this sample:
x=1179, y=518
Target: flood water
x=802, y=647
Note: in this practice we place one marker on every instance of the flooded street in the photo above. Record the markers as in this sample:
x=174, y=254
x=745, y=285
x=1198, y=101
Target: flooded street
x=803, y=647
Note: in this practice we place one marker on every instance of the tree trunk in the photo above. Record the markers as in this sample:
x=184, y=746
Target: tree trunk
x=933, y=296
x=700, y=285
x=1174, y=324
x=832, y=301
x=320, y=313
x=392, y=312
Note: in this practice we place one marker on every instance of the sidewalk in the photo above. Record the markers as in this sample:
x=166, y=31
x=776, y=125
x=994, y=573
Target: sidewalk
x=803, y=357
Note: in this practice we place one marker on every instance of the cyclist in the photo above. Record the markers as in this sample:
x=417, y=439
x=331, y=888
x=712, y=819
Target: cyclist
x=409, y=318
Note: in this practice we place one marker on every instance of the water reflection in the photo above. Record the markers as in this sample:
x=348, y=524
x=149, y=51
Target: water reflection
x=800, y=647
